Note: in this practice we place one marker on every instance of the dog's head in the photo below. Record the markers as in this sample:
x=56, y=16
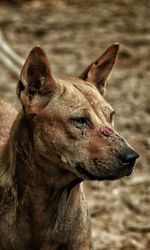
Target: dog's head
x=72, y=123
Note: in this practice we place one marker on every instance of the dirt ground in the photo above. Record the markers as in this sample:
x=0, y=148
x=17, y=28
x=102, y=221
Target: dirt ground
x=74, y=33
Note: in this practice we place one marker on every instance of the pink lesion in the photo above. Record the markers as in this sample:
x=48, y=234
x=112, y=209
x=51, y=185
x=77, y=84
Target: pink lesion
x=106, y=131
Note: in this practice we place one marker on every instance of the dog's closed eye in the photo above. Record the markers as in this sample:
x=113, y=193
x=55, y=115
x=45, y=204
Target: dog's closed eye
x=81, y=122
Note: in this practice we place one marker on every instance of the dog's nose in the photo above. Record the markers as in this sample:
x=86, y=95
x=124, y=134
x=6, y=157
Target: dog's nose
x=128, y=157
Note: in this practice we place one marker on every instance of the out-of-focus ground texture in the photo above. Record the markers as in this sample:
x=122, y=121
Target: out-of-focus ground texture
x=74, y=33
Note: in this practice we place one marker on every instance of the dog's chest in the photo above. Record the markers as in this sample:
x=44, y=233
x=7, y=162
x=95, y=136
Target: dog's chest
x=55, y=228
x=67, y=227
x=32, y=226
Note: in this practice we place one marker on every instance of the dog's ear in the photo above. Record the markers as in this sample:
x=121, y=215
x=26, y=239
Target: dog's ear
x=36, y=83
x=99, y=71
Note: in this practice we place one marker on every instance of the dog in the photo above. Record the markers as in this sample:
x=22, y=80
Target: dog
x=63, y=135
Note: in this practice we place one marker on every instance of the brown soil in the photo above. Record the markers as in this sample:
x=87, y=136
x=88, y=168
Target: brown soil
x=74, y=34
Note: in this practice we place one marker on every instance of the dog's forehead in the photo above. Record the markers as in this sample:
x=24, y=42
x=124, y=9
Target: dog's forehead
x=83, y=93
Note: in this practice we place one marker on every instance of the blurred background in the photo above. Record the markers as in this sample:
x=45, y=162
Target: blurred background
x=74, y=33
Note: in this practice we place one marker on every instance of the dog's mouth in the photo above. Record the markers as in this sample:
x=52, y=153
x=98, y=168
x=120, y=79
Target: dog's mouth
x=101, y=169
x=113, y=172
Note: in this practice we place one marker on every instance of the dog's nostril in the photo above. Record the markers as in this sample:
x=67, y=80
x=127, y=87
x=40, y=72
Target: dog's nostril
x=129, y=156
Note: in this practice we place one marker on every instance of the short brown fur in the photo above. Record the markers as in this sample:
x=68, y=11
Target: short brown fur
x=62, y=136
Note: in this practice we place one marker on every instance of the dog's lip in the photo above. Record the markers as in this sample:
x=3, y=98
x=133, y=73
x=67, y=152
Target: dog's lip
x=128, y=171
x=128, y=164
x=124, y=170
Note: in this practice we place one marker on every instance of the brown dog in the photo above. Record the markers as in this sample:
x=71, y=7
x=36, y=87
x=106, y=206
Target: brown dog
x=63, y=135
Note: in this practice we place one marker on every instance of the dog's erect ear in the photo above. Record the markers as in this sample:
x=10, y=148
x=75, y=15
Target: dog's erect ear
x=99, y=71
x=36, y=83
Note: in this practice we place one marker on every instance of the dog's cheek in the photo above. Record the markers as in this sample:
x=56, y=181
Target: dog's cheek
x=66, y=145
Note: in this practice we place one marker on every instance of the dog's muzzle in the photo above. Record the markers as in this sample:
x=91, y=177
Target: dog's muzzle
x=121, y=166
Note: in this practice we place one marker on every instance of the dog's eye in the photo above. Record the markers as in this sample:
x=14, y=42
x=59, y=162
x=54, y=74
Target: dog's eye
x=80, y=122
x=112, y=116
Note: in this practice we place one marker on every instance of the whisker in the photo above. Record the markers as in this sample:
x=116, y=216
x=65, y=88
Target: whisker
x=119, y=102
